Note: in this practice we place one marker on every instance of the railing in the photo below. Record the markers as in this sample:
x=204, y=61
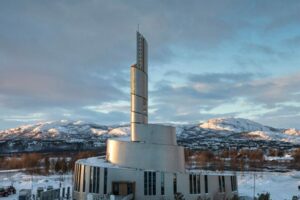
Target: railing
x=109, y=197
x=98, y=197
x=128, y=197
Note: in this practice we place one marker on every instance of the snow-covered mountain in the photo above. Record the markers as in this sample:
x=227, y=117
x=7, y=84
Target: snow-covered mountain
x=225, y=132
x=233, y=124
x=62, y=130
x=252, y=130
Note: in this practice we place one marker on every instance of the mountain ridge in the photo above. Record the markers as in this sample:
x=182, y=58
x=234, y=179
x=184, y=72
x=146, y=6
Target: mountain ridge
x=214, y=133
x=64, y=129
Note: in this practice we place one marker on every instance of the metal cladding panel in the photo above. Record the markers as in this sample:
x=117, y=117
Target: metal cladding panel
x=138, y=118
x=138, y=104
x=139, y=82
x=154, y=134
x=146, y=156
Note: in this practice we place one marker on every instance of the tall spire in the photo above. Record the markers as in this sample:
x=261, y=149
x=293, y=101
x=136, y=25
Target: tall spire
x=139, y=84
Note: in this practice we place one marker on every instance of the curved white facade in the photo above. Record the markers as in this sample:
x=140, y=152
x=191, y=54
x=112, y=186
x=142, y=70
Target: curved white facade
x=155, y=133
x=145, y=155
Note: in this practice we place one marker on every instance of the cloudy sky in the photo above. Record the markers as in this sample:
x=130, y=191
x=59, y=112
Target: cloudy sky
x=70, y=60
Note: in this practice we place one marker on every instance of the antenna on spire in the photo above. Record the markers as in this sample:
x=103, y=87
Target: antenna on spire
x=138, y=28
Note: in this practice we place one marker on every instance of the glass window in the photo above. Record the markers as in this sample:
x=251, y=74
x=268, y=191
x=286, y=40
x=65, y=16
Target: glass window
x=154, y=182
x=105, y=181
x=233, y=183
x=149, y=183
x=115, y=188
x=83, y=187
x=91, y=180
x=145, y=183
x=206, y=183
x=223, y=183
x=175, y=184
x=162, y=183
x=220, y=184
x=191, y=183
x=194, y=185
x=198, y=184
x=79, y=177
x=98, y=179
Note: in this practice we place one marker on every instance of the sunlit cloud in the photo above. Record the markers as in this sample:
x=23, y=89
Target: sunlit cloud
x=107, y=107
x=33, y=117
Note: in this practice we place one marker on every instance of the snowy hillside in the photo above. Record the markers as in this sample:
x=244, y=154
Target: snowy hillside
x=250, y=129
x=214, y=134
x=234, y=125
x=63, y=130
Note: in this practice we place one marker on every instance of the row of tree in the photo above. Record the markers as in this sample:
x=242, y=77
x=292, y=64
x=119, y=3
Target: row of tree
x=44, y=163
x=239, y=160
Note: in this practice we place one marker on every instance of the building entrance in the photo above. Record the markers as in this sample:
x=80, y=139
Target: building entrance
x=123, y=188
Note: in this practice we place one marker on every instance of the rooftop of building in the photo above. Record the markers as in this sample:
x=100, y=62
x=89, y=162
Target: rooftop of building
x=101, y=162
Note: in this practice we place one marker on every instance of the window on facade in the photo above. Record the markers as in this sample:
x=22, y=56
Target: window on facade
x=195, y=185
x=78, y=177
x=129, y=189
x=221, y=184
x=98, y=180
x=105, y=181
x=145, y=183
x=162, y=183
x=233, y=183
x=198, y=184
x=83, y=184
x=191, y=183
x=91, y=180
x=206, y=183
x=94, y=179
x=175, y=184
x=154, y=182
x=115, y=188
x=149, y=183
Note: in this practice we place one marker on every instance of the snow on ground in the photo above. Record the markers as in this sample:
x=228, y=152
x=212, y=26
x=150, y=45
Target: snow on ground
x=281, y=186
x=285, y=158
x=23, y=181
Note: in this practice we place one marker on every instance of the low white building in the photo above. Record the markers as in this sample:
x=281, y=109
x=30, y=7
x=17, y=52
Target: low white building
x=149, y=165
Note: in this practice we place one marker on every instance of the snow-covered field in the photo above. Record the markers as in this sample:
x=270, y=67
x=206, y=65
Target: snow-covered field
x=23, y=181
x=281, y=186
